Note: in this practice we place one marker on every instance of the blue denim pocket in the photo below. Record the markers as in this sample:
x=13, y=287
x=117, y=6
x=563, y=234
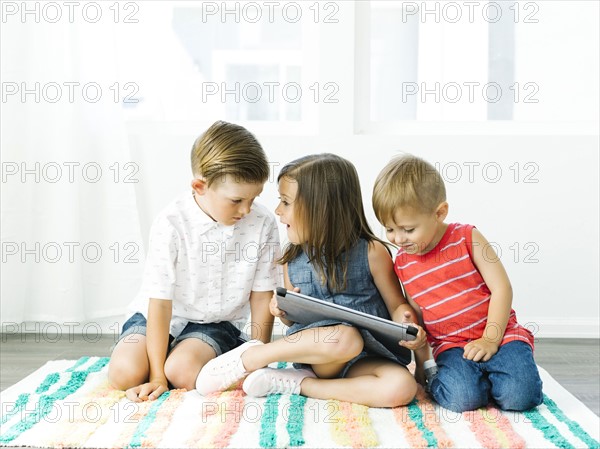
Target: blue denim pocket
x=304, y=281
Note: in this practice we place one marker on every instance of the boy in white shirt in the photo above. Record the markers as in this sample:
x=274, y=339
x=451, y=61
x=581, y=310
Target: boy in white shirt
x=211, y=260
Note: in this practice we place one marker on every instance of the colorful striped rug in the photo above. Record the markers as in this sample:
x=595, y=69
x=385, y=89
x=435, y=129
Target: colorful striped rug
x=70, y=404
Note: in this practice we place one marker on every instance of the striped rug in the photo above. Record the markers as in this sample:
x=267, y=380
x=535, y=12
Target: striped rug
x=69, y=403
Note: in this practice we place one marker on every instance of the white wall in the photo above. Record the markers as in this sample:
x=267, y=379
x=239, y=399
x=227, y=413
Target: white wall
x=546, y=231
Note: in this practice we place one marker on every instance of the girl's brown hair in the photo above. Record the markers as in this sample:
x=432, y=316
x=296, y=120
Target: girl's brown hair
x=329, y=206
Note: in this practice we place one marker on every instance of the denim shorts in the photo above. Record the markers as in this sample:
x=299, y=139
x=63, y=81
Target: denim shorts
x=222, y=337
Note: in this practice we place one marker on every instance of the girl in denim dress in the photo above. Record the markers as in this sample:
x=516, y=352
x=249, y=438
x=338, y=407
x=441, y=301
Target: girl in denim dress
x=332, y=255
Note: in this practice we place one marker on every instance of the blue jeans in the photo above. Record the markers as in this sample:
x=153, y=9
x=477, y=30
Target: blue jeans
x=510, y=378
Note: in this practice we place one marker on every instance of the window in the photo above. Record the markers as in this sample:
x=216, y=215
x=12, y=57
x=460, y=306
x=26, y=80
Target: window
x=388, y=65
x=242, y=61
x=477, y=61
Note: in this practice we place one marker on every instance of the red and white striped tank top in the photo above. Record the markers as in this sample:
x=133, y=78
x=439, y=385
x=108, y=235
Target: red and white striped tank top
x=451, y=293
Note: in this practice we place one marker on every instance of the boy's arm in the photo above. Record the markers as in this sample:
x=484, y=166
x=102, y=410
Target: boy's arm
x=267, y=278
x=157, y=342
x=157, y=338
x=495, y=277
x=260, y=316
x=275, y=310
x=386, y=281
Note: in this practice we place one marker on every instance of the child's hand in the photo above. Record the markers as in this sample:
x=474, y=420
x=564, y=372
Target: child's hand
x=421, y=337
x=275, y=311
x=480, y=350
x=147, y=392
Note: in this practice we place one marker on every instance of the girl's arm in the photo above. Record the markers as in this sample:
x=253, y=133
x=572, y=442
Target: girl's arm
x=495, y=277
x=423, y=353
x=421, y=356
x=386, y=281
x=276, y=311
x=260, y=316
x=157, y=342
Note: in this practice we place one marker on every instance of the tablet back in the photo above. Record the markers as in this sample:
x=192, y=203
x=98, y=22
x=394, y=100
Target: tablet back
x=306, y=309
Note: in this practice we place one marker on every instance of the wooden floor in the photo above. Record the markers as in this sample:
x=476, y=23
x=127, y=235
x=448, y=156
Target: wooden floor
x=574, y=363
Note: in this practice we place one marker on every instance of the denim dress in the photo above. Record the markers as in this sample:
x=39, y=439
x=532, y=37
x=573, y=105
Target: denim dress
x=360, y=294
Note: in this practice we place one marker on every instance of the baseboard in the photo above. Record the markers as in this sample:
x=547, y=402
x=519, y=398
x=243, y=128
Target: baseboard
x=546, y=327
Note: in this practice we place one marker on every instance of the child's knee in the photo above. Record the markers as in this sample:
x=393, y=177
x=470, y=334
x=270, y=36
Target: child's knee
x=459, y=395
x=401, y=392
x=395, y=386
x=518, y=394
x=123, y=375
x=344, y=344
x=459, y=404
x=336, y=343
x=181, y=374
x=519, y=403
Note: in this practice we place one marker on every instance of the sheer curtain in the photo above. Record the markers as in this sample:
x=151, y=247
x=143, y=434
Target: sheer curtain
x=71, y=244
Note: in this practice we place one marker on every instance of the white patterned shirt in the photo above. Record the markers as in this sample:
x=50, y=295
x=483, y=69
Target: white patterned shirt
x=206, y=268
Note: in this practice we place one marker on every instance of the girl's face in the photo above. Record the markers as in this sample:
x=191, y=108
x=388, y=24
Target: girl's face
x=288, y=189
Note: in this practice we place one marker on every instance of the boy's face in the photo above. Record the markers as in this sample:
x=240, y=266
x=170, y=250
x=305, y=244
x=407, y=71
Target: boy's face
x=226, y=200
x=416, y=232
x=285, y=210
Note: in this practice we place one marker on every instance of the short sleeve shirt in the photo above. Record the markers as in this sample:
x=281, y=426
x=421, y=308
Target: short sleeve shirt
x=206, y=268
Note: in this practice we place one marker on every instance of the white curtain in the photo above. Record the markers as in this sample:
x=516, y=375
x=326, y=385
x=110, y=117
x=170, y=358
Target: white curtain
x=70, y=225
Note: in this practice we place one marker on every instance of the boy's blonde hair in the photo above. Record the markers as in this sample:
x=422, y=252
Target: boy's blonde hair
x=407, y=182
x=229, y=149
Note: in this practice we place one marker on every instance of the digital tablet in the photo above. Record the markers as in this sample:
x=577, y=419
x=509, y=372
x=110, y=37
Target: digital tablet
x=305, y=309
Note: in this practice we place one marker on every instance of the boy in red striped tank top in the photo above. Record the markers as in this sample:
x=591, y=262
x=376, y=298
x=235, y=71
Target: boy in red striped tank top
x=455, y=279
